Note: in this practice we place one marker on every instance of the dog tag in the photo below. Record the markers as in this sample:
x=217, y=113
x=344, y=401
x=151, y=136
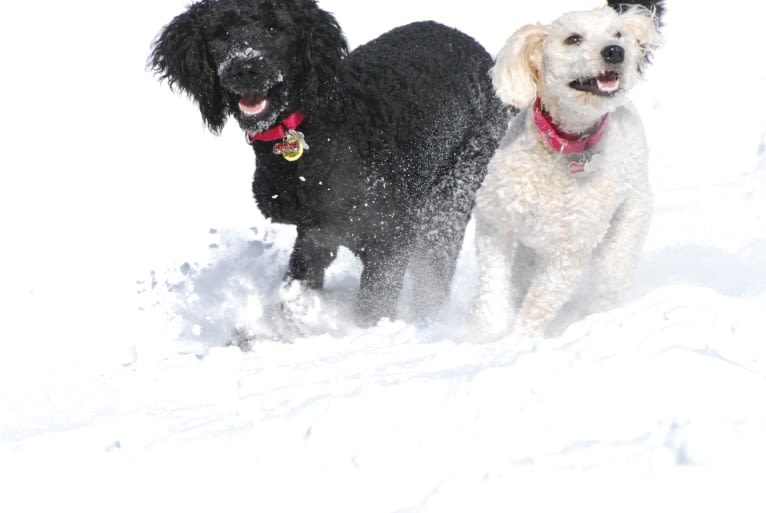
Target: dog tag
x=578, y=163
x=292, y=146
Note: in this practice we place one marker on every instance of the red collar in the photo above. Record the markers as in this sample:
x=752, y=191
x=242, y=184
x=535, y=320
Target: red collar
x=291, y=122
x=563, y=142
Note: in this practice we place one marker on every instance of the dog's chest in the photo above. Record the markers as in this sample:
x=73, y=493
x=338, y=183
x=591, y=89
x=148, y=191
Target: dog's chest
x=331, y=189
x=301, y=191
x=545, y=203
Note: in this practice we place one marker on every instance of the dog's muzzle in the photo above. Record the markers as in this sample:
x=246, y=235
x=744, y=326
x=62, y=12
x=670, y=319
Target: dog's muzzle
x=613, y=54
x=241, y=75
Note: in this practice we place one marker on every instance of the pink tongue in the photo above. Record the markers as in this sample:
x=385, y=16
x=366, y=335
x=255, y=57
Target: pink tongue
x=252, y=105
x=608, y=85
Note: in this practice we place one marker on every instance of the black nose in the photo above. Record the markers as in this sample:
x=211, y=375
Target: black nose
x=613, y=54
x=239, y=71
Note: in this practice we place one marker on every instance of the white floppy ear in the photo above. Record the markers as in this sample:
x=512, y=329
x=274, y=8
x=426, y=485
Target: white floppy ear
x=518, y=68
x=643, y=25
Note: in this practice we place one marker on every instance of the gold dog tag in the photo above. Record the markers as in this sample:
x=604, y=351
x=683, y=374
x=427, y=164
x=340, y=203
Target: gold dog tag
x=292, y=146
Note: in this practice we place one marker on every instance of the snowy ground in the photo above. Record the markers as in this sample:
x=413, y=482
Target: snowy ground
x=132, y=251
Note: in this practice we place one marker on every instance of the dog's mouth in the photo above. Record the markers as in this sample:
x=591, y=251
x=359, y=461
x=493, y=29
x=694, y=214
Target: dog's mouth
x=257, y=107
x=605, y=84
x=252, y=104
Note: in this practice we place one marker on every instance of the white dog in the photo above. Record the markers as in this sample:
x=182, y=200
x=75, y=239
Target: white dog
x=568, y=190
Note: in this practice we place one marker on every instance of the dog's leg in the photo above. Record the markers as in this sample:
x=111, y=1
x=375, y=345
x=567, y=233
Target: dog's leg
x=436, y=251
x=616, y=258
x=310, y=258
x=445, y=217
x=553, y=284
x=432, y=266
x=380, y=284
x=299, y=305
x=493, y=310
x=521, y=273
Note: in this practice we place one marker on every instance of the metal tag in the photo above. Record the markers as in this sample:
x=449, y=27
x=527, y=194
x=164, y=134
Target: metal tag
x=584, y=163
x=292, y=146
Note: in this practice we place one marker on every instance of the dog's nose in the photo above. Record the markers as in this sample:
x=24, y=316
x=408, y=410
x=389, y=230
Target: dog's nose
x=613, y=54
x=239, y=71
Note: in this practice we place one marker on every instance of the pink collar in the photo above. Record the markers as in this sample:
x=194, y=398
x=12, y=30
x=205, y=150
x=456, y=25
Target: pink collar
x=563, y=142
x=291, y=122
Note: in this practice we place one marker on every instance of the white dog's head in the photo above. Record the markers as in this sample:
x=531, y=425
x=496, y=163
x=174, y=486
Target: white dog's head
x=581, y=65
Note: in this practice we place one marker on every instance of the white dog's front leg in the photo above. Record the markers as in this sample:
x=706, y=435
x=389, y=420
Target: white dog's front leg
x=555, y=280
x=616, y=258
x=493, y=310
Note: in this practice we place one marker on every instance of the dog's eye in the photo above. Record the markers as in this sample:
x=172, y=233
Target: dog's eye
x=270, y=24
x=573, y=40
x=618, y=35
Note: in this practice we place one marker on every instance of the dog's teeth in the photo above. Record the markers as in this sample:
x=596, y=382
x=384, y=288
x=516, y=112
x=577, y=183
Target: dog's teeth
x=608, y=86
x=253, y=110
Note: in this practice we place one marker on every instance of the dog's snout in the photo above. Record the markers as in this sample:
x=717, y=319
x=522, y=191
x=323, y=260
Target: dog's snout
x=240, y=72
x=613, y=54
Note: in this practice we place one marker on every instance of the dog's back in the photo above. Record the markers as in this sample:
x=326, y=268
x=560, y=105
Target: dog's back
x=431, y=86
x=427, y=121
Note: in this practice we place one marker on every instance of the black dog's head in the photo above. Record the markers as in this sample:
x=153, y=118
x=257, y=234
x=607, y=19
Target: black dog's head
x=254, y=59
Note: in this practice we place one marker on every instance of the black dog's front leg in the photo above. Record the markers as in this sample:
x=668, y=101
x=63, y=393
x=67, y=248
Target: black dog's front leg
x=310, y=257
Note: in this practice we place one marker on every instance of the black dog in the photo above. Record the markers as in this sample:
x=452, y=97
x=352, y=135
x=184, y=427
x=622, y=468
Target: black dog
x=395, y=139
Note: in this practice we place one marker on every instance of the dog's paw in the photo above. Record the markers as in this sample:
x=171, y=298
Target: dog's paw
x=528, y=329
x=301, y=311
x=602, y=301
x=482, y=328
x=372, y=308
x=482, y=336
x=296, y=311
x=245, y=338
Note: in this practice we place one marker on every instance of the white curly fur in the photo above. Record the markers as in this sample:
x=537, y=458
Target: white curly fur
x=539, y=228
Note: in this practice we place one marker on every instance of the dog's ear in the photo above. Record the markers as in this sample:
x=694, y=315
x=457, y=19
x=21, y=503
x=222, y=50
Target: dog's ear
x=518, y=68
x=656, y=6
x=181, y=56
x=321, y=47
x=643, y=24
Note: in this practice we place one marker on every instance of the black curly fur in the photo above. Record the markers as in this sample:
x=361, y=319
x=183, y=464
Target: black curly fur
x=400, y=134
x=656, y=6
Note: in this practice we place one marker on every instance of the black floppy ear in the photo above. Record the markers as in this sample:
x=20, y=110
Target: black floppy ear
x=181, y=56
x=321, y=47
x=655, y=6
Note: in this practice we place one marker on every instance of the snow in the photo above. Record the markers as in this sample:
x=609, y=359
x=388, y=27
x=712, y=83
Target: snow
x=132, y=251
